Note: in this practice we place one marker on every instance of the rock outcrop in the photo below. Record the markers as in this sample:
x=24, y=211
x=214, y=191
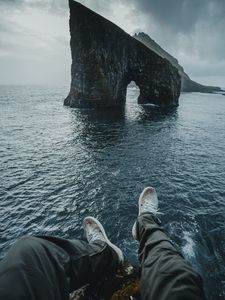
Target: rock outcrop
x=187, y=84
x=105, y=59
x=124, y=285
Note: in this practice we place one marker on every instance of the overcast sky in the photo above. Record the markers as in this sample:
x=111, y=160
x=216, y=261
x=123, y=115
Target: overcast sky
x=34, y=36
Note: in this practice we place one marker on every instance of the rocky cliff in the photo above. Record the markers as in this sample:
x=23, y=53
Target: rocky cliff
x=187, y=85
x=124, y=285
x=105, y=59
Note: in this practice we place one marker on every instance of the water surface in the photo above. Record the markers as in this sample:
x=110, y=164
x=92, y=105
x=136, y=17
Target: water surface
x=58, y=165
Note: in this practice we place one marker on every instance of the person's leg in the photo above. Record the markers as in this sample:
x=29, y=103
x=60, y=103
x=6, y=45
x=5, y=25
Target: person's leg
x=40, y=268
x=165, y=274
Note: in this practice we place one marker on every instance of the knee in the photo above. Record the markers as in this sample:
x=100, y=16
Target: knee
x=22, y=253
x=26, y=246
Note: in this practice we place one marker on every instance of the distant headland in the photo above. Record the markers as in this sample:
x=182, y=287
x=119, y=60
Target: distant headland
x=187, y=85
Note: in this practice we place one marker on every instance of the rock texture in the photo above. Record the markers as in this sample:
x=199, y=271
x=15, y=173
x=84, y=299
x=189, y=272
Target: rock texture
x=105, y=59
x=187, y=85
x=125, y=285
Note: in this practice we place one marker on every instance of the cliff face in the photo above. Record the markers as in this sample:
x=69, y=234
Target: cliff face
x=105, y=59
x=187, y=85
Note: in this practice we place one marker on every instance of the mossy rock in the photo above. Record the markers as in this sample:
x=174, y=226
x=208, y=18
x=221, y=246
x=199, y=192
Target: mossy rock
x=123, y=286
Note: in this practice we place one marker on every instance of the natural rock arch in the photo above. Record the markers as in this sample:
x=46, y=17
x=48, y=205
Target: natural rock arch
x=105, y=59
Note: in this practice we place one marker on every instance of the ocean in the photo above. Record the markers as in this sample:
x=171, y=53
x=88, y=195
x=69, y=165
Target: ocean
x=58, y=165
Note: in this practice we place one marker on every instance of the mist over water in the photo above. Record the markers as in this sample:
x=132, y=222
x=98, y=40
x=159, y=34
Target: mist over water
x=58, y=165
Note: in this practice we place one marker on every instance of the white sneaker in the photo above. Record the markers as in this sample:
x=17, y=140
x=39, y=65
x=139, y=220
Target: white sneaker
x=148, y=202
x=94, y=231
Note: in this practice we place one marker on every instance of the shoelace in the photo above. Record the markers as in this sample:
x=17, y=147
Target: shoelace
x=149, y=207
x=95, y=234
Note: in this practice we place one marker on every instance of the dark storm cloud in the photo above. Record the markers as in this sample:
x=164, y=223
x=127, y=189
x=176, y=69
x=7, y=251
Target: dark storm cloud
x=184, y=13
x=191, y=30
x=181, y=15
x=178, y=15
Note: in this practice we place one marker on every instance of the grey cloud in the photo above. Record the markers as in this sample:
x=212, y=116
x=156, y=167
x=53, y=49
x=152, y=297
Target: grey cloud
x=192, y=30
x=181, y=15
x=55, y=6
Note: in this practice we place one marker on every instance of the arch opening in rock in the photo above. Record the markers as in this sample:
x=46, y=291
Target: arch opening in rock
x=133, y=93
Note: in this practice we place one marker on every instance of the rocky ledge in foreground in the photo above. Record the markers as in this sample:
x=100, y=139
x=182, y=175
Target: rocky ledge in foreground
x=105, y=59
x=125, y=285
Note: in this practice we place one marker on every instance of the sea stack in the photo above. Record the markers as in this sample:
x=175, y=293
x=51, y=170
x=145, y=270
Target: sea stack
x=105, y=59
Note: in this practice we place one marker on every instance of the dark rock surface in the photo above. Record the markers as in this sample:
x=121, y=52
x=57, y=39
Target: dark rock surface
x=105, y=59
x=187, y=85
x=125, y=285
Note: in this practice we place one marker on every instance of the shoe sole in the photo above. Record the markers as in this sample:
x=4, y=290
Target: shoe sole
x=114, y=247
x=134, y=231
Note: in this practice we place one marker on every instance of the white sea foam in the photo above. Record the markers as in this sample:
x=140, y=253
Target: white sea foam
x=189, y=246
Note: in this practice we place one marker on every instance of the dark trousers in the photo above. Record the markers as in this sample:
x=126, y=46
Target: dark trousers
x=41, y=268
x=49, y=268
x=165, y=274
